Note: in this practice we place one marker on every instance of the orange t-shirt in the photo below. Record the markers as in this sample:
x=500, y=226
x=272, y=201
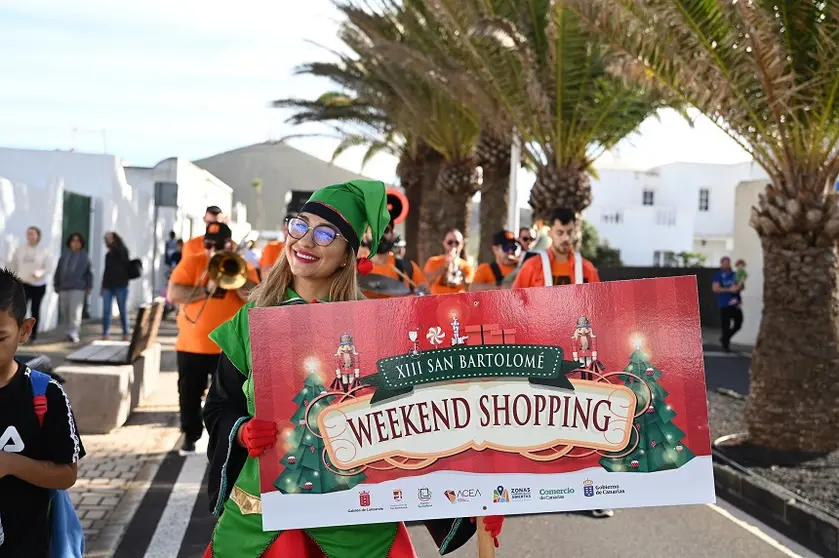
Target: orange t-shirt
x=389, y=270
x=484, y=273
x=530, y=274
x=195, y=246
x=440, y=287
x=194, y=338
x=271, y=253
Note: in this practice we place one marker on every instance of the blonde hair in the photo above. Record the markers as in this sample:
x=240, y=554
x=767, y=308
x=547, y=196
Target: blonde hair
x=271, y=291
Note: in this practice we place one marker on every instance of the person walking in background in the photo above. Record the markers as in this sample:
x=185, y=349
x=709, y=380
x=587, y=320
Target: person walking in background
x=727, y=289
x=204, y=308
x=169, y=248
x=490, y=276
x=72, y=281
x=115, y=283
x=560, y=265
x=193, y=246
x=449, y=273
x=32, y=262
x=527, y=236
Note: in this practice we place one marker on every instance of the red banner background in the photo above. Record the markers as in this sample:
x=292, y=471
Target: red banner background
x=664, y=313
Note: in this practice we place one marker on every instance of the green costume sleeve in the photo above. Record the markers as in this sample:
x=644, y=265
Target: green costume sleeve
x=233, y=338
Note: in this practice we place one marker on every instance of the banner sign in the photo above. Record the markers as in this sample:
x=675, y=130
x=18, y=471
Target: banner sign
x=589, y=396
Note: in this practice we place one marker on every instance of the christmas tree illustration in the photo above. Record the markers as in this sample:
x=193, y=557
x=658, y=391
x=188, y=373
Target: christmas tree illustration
x=307, y=467
x=660, y=446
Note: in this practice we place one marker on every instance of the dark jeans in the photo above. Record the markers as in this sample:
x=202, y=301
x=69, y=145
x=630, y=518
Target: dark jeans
x=194, y=373
x=35, y=295
x=731, y=318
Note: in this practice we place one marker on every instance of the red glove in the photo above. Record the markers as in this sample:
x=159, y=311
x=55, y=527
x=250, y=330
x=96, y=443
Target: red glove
x=493, y=525
x=258, y=435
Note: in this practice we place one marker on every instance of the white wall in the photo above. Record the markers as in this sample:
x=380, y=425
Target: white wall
x=676, y=188
x=37, y=202
x=115, y=206
x=747, y=246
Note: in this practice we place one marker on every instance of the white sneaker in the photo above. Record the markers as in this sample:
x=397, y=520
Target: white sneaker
x=602, y=513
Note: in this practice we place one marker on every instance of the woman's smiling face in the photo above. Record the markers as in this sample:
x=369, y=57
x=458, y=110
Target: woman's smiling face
x=309, y=259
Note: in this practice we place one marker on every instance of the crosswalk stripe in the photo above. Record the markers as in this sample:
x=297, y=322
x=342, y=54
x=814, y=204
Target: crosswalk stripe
x=174, y=520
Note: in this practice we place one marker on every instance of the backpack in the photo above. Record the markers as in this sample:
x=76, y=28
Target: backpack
x=496, y=270
x=135, y=269
x=66, y=533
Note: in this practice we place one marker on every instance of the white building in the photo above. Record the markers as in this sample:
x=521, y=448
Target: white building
x=62, y=192
x=652, y=215
x=747, y=247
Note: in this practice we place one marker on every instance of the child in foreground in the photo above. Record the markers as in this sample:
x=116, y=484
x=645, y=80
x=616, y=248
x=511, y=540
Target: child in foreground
x=37, y=453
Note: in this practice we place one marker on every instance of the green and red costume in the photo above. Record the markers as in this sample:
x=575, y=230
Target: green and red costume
x=234, y=476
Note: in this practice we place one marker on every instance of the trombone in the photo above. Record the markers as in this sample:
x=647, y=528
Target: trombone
x=227, y=270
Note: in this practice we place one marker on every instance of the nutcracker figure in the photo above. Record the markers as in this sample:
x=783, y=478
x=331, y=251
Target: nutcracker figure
x=347, y=370
x=584, y=348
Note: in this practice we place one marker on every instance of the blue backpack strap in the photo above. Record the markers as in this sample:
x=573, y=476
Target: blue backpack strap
x=40, y=382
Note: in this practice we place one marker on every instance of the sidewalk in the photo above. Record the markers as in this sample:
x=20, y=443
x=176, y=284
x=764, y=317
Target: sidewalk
x=120, y=466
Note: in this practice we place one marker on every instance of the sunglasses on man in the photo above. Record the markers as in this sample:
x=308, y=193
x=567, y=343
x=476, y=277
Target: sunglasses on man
x=452, y=242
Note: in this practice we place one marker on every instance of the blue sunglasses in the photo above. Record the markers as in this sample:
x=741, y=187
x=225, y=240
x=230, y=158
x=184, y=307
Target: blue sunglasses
x=323, y=235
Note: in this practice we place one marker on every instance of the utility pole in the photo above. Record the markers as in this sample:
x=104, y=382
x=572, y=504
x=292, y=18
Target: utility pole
x=515, y=163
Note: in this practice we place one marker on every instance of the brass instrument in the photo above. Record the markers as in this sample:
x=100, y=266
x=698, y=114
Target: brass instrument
x=228, y=270
x=454, y=276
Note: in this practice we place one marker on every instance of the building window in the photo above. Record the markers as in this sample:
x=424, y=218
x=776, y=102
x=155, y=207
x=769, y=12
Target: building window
x=612, y=218
x=649, y=197
x=662, y=258
x=704, y=196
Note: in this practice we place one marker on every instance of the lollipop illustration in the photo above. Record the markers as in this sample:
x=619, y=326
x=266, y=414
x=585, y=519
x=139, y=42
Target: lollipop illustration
x=435, y=335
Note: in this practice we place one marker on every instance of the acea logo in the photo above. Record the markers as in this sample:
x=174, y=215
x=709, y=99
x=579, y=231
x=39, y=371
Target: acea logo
x=588, y=488
x=462, y=495
x=500, y=495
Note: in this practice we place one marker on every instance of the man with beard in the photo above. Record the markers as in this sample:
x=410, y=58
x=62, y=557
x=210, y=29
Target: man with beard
x=490, y=276
x=386, y=264
x=559, y=265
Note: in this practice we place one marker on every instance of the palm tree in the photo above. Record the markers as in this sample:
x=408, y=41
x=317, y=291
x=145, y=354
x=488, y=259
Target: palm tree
x=548, y=76
x=767, y=73
x=431, y=114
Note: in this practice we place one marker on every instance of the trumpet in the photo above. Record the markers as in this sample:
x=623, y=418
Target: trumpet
x=227, y=271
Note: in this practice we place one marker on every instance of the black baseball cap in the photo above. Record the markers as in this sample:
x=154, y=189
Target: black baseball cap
x=213, y=210
x=218, y=233
x=504, y=238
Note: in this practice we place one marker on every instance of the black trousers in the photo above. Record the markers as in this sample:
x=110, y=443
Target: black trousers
x=731, y=318
x=194, y=373
x=35, y=295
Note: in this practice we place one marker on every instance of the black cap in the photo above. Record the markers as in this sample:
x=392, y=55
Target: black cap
x=219, y=233
x=503, y=238
x=213, y=210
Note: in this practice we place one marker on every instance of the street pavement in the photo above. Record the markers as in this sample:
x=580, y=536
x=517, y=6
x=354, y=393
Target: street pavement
x=139, y=499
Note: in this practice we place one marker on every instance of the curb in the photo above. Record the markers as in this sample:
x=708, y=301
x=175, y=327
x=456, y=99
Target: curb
x=793, y=518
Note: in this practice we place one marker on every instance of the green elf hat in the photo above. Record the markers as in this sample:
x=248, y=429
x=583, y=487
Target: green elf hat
x=352, y=207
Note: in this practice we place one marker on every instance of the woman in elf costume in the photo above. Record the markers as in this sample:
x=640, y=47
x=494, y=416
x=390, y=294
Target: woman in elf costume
x=318, y=264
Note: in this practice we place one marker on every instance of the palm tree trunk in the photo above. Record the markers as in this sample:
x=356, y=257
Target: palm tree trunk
x=568, y=186
x=792, y=403
x=493, y=156
x=450, y=206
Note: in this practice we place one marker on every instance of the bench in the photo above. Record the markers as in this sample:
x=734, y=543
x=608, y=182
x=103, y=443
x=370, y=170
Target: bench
x=107, y=380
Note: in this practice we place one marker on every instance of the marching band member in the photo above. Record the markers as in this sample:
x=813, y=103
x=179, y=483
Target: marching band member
x=318, y=264
x=212, y=214
x=490, y=276
x=449, y=273
x=271, y=252
x=197, y=354
x=387, y=264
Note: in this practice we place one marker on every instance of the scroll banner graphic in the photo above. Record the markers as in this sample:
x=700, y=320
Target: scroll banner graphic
x=541, y=364
x=509, y=416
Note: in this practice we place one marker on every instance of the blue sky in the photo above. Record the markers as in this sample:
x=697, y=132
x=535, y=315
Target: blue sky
x=153, y=79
